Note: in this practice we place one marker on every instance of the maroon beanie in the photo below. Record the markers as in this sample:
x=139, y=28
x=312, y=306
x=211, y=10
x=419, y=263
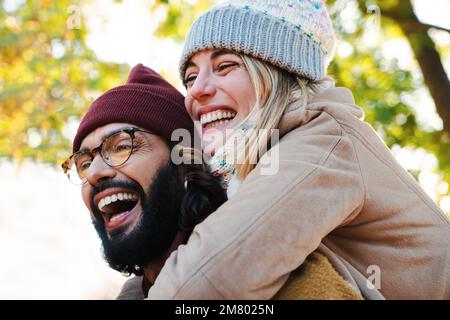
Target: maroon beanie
x=146, y=100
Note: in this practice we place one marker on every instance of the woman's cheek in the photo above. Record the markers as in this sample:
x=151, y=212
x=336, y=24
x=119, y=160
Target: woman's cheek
x=188, y=105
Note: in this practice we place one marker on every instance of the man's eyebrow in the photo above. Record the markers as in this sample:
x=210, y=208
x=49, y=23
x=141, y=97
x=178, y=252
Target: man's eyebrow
x=214, y=56
x=106, y=135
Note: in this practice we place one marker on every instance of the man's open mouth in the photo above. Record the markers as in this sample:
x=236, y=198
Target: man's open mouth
x=117, y=207
x=215, y=118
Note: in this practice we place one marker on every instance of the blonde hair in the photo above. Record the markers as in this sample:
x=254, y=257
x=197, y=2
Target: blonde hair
x=274, y=88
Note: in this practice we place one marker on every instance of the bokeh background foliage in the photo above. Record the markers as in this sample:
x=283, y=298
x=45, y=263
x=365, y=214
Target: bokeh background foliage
x=48, y=75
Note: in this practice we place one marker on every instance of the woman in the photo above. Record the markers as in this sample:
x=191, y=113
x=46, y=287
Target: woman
x=337, y=189
x=201, y=195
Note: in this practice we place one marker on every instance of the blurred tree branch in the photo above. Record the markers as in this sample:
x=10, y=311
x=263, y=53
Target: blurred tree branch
x=425, y=52
x=432, y=26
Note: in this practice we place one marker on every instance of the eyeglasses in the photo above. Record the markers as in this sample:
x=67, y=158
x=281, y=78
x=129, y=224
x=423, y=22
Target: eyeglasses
x=115, y=150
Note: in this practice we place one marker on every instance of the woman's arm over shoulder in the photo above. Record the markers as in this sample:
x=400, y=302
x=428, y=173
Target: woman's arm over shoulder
x=247, y=248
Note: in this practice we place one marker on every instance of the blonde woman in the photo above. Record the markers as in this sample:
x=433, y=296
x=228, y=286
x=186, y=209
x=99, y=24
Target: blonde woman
x=336, y=189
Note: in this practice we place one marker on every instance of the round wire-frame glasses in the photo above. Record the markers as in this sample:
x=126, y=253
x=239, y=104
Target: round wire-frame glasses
x=115, y=150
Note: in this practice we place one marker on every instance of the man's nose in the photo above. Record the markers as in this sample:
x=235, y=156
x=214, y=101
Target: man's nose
x=204, y=88
x=99, y=170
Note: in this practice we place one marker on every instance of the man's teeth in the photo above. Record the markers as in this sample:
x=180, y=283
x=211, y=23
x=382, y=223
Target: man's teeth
x=116, y=197
x=217, y=115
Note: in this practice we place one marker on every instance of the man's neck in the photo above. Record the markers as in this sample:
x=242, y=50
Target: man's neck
x=151, y=271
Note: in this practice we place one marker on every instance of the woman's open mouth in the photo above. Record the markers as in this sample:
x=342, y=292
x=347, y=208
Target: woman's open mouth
x=216, y=118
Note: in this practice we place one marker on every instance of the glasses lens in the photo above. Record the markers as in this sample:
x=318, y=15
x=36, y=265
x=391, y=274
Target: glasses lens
x=82, y=162
x=70, y=168
x=117, y=148
x=74, y=177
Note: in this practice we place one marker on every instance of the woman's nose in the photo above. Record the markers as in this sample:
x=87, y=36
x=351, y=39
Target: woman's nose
x=203, y=88
x=99, y=170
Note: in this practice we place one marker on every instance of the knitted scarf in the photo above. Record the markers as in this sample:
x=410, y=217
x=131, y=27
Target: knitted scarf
x=223, y=163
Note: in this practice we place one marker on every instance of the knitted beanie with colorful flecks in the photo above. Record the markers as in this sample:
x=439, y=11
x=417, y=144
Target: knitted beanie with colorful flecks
x=294, y=35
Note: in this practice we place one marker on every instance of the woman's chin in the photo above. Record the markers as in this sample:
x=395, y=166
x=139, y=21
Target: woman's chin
x=214, y=138
x=209, y=149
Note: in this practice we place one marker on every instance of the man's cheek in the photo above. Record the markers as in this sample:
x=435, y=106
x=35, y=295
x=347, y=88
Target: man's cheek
x=86, y=198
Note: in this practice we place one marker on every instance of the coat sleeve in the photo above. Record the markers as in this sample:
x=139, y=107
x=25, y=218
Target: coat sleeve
x=248, y=247
x=131, y=289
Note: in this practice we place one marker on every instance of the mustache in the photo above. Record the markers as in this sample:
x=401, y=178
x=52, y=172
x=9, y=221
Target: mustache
x=109, y=183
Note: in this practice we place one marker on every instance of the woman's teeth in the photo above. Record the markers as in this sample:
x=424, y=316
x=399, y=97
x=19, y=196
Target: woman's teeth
x=215, y=118
x=216, y=123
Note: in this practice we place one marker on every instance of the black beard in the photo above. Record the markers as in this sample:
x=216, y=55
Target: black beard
x=157, y=225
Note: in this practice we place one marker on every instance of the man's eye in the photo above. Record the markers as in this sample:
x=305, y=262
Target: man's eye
x=189, y=81
x=121, y=148
x=83, y=166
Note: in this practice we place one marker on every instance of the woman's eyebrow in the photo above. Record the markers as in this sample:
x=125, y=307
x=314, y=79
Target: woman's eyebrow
x=214, y=56
x=221, y=52
x=189, y=64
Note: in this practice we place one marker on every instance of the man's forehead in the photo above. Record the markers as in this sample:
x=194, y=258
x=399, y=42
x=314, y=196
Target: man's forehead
x=94, y=138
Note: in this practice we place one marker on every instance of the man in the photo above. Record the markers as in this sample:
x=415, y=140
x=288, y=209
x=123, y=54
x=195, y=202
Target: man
x=133, y=190
x=142, y=205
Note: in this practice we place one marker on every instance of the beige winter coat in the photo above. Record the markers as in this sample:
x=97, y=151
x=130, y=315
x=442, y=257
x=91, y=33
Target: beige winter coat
x=338, y=190
x=315, y=279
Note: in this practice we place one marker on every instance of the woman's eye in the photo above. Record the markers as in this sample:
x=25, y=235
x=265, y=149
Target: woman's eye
x=189, y=81
x=226, y=67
